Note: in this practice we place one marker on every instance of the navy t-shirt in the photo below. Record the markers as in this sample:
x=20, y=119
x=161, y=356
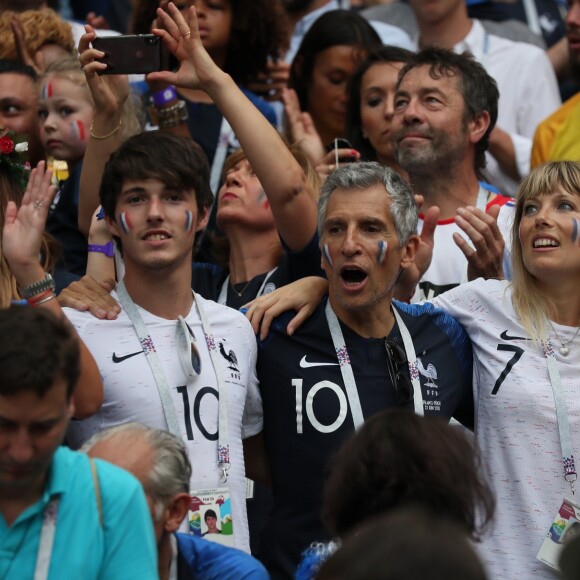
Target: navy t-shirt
x=208, y=279
x=307, y=416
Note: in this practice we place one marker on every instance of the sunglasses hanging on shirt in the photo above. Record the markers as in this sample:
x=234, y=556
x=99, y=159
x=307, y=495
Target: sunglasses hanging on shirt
x=398, y=365
x=187, y=350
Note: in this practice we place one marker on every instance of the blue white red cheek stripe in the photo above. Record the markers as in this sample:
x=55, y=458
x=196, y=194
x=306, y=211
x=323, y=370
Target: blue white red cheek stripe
x=576, y=231
x=77, y=130
x=188, y=220
x=326, y=254
x=381, y=251
x=125, y=222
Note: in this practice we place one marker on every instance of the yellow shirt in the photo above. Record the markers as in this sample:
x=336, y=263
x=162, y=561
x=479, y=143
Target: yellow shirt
x=557, y=138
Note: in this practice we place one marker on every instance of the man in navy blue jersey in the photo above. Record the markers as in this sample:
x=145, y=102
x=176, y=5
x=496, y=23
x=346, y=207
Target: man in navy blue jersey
x=359, y=353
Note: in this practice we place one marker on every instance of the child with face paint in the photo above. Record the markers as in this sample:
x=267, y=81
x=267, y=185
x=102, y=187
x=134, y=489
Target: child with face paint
x=65, y=114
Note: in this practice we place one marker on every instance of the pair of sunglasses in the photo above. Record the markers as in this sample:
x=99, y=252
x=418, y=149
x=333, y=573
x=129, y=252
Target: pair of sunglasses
x=186, y=347
x=398, y=366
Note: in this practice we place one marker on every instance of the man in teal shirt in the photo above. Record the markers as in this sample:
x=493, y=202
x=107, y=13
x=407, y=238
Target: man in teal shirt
x=61, y=515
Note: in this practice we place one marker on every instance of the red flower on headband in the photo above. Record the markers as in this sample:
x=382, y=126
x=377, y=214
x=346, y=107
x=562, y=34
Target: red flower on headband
x=6, y=145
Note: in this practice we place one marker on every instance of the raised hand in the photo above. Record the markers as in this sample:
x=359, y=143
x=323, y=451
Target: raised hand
x=24, y=226
x=181, y=36
x=485, y=257
x=300, y=128
x=109, y=92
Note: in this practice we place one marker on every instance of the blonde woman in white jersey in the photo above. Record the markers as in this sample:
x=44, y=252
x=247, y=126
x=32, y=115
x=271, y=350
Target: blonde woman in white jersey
x=526, y=347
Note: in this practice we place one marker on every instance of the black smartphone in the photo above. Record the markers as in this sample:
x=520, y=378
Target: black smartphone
x=339, y=143
x=130, y=53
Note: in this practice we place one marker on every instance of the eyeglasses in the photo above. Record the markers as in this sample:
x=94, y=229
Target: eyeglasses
x=187, y=349
x=398, y=366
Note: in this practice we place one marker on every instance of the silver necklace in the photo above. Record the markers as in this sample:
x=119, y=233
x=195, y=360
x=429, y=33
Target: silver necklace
x=564, y=350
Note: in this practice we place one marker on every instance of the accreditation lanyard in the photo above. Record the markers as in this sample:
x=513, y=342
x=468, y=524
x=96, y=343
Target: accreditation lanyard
x=226, y=133
x=570, y=474
x=163, y=388
x=46, y=543
x=482, y=197
x=346, y=367
x=223, y=297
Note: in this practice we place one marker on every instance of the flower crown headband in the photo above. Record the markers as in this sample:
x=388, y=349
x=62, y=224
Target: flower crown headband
x=11, y=149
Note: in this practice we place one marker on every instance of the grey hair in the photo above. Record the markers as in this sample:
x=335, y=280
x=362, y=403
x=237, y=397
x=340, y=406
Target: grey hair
x=171, y=471
x=364, y=175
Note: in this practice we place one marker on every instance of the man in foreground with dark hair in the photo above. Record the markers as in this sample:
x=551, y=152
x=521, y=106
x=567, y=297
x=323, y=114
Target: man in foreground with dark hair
x=48, y=491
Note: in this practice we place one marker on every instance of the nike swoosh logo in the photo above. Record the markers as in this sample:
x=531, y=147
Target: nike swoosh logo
x=118, y=359
x=504, y=336
x=304, y=364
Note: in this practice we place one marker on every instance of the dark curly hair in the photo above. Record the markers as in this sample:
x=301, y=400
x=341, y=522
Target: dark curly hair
x=259, y=31
x=385, y=54
x=399, y=458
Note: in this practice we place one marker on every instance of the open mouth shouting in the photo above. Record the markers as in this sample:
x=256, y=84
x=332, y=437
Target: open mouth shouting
x=353, y=277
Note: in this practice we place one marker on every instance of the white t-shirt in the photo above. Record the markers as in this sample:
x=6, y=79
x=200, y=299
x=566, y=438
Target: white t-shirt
x=449, y=266
x=528, y=91
x=516, y=428
x=131, y=392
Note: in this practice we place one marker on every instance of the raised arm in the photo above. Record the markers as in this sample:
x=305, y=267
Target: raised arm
x=109, y=93
x=21, y=241
x=281, y=176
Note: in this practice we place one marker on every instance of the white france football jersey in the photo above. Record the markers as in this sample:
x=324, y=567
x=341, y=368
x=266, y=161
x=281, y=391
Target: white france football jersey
x=515, y=424
x=131, y=392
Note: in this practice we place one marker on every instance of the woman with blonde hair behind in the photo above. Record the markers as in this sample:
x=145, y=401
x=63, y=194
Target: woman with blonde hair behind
x=526, y=350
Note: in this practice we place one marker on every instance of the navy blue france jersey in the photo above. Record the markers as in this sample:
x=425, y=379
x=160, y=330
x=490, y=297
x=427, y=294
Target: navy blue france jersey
x=307, y=415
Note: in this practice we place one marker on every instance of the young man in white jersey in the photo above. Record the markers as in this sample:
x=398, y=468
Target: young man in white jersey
x=445, y=111
x=173, y=360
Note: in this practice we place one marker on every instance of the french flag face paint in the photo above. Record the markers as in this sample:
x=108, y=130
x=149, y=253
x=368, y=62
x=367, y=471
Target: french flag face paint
x=77, y=130
x=576, y=231
x=381, y=251
x=326, y=254
x=188, y=221
x=125, y=222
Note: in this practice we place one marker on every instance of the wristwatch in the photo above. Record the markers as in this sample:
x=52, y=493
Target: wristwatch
x=108, y=249
x=47, y=283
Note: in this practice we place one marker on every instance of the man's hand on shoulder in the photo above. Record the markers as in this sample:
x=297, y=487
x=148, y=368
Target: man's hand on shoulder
x=89, y=295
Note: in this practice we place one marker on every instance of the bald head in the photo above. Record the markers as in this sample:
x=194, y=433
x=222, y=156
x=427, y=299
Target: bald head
x=130, y=451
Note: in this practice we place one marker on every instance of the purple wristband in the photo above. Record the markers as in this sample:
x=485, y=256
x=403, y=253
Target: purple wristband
x=165, y=96
x=108, y=249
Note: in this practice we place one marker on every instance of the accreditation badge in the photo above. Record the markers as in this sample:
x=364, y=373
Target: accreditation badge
x=566, y=525
x=210, y=515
